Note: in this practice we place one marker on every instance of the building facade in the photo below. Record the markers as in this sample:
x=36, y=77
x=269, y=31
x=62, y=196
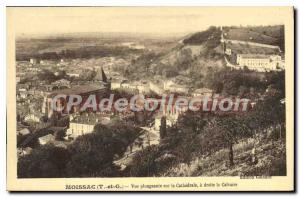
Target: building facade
x=260, y=62
x=85, y=123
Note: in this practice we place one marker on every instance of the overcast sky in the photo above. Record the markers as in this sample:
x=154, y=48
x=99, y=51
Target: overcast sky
x=172, y=20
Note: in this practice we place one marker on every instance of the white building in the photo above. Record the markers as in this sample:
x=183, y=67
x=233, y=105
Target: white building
x=33, y=61
x=203, y=92
x=61, y=82
x=84, y=124
x=73, y=74
x=81, y=125
x=46, y=139
x=24, y=131
x=33, y=117
x=172, y=86
x=260, y=62
x=115, y=84
x=175, y=88
x=228, y=51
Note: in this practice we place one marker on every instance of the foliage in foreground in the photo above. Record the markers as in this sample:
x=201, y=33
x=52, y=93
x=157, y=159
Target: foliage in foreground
x=90, y=155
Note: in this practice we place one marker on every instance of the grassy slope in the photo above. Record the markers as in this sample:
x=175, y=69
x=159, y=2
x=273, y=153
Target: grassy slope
x=273, y=35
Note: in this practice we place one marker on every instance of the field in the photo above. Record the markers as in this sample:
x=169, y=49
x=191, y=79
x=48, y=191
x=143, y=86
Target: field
x=249, y=49
x=272, y=35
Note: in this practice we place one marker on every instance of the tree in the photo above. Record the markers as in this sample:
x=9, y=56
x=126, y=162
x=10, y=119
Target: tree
x=63, y=122
x=44, y=162
x=32, y=142
x=231, y=129
x=268, y=113
x=193, y=120
x=163, y=127
x=61, y=74
x=93, y=154
x=46, y=75
x=144, y=164
x=184, y=138
x=60, y=134
x=90, y=154
x=277, y=80
x=184, y=60
x=87, y=75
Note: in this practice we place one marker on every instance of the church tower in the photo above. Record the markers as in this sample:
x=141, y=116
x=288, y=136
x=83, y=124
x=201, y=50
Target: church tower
x=103, y=79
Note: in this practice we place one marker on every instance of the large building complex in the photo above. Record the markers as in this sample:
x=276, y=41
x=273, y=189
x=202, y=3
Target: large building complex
x=260, y=62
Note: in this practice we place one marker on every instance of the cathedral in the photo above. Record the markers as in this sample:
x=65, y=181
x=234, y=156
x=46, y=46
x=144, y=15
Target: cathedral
x=99, y=87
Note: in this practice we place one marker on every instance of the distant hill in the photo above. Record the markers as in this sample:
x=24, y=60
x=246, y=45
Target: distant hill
x=87, y=45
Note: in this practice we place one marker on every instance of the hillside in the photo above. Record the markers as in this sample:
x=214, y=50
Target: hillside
x=206, y=144
x=207, y=36
x=199, y=56
x=199, y=51
x=268, y=154
x=272, y=35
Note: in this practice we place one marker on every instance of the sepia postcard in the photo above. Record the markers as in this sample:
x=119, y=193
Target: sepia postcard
x=150, y=99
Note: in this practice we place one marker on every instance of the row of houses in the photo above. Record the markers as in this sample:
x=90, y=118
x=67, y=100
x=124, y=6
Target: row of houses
x=144, y=87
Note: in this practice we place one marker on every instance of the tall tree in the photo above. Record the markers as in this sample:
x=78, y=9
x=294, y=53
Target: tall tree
x=163, y=127
x=232, y=128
